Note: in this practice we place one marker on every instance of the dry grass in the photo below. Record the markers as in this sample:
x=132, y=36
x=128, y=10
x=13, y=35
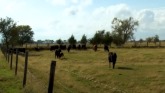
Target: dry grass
x=137, y=71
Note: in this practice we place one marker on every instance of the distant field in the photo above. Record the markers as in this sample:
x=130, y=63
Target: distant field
x=126, y=45
x=137, y=71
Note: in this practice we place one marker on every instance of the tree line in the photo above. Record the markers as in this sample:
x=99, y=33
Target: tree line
x=122, y=31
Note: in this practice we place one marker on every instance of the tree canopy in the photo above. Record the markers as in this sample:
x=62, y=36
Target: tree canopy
x=6, y=27
x=72, y=40
x=83, y=39
x=123, y=30
x=13, y=34
x=59, y=41
x=25, y=34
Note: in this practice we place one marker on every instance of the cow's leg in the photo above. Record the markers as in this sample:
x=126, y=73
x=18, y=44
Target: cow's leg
x=114, y=65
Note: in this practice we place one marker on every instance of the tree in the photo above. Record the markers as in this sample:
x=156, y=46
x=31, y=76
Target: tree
x=148, y=39
x=123, y=30
x=59, y=41
x=14, y=36
x=72, y=40
x=40, y=41
x=83, y=39
x=107, y=38
x=156, y=39
x=25, y=34
x=6, y=27
x=141, y=41
x=98, y=37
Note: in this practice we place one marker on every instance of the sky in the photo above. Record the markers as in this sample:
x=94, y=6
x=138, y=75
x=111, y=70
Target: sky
x=59, y=19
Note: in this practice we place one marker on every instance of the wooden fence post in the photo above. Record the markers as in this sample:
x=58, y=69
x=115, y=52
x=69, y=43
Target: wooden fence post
x=16, y=62
x=11, y=60
x=25, y=69
x=51, y=77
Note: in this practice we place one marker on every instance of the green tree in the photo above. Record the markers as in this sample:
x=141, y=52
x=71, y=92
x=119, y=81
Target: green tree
x=6, y=27
x=149, y=40
x=107, y=38
x=98, y=37
x=156, y=39
x=72, y=40
x=40, y=41
x=59, y=41
x=14, y=36
x=83, y=39
x=123, y=30
x=25, y=34
x=141, y=41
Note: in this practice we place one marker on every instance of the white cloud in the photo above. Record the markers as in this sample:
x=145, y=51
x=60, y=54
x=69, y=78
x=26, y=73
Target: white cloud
x=77, y=17
x=152, y=20
x=58, y=2
x=9, y=7
x=75, y=1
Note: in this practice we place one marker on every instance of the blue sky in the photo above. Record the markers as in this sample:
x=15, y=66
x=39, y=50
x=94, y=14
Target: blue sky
x=54, y=19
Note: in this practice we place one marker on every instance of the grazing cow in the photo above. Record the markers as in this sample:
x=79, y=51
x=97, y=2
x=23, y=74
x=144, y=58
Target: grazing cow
x=112, y=57
x=95, y=48
x=54, y=47
x=63, y=47
x=22, y=50
x=61, y=55
x=58, y=53
x=106, y=48
x=69, y=47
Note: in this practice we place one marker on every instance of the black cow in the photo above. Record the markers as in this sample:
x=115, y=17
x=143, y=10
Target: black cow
x=106, y=48
x=69, y=47
x=112, y=57
x=20, y=50
x=58, y=53
x=54, y=47
x=63, y=47
x=84, y=47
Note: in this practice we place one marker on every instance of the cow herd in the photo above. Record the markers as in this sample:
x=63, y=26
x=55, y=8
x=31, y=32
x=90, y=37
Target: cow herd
x=112, y=56
x=64, y=47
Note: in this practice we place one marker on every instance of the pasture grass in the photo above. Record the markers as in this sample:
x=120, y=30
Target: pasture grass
x=136, y=71
x=9, y=83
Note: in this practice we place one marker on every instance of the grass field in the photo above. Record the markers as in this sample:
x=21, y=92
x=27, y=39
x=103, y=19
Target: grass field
x=9, y=83
x=137, y=71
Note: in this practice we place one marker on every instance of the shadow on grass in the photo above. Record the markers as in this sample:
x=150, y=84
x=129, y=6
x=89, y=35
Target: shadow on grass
x=125, y=68
x=63, y=58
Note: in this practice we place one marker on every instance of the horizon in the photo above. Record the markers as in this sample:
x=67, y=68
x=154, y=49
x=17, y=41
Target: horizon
x=55, y=19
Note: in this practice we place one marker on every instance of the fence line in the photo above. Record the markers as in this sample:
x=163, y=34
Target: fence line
x=7, y=57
